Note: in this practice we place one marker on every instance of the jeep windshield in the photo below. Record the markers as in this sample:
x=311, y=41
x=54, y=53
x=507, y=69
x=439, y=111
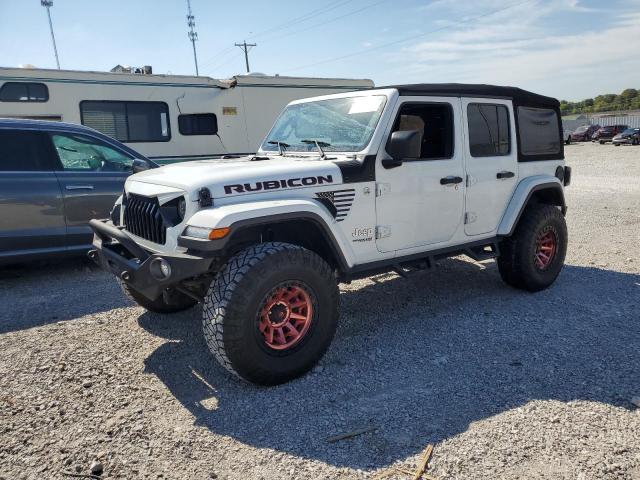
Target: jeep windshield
x=342, y=124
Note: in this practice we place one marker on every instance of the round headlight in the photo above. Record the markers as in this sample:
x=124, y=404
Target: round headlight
x=182, y=208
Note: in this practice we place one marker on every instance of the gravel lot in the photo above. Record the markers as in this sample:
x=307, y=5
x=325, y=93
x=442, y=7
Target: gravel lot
x=506, y=384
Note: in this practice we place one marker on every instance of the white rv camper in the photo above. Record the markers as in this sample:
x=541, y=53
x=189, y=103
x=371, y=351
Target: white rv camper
x=165, y=117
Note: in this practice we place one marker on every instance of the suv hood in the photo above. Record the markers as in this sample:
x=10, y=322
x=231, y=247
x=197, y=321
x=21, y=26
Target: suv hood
x=240, y=176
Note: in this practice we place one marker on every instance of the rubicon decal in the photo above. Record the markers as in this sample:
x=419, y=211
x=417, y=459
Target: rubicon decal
x=277, y=184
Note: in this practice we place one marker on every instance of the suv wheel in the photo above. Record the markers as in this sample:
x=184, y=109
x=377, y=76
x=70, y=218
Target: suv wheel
x=531, y=259
x=179, y=301
x=271, y=312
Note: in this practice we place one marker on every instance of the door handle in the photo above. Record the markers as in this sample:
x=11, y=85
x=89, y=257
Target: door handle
x=451, y=180
x=505, y=174
x=78, y=187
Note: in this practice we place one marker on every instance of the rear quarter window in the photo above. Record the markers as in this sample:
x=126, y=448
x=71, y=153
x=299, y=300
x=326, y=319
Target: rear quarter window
x=539, y=131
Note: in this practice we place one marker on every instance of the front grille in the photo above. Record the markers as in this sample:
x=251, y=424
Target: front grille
x=142, y=217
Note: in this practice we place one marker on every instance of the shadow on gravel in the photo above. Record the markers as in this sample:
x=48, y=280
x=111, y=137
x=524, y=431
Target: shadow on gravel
x=421, y=359
x=40, y=293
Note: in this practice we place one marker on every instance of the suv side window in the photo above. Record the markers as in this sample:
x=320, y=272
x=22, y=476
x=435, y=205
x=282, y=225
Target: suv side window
x=434, y=123
x=23, y=151
x=489, y=134
x=83, y=153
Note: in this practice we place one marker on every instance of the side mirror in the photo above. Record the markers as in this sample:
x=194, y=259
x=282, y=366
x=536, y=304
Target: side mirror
x=403, y=145
x=140, y=165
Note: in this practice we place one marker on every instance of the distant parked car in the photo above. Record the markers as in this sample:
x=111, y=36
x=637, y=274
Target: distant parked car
x=584, y=133
x=631, y=136
x=606, y=134
x=54, y=178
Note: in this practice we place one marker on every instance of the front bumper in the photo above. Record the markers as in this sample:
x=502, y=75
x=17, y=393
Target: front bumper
x=115, y=251
x=625, y=140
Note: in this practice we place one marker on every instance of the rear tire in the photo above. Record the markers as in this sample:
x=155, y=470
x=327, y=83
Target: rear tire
x=531, y=259
x=255, y=302
x=181, y=302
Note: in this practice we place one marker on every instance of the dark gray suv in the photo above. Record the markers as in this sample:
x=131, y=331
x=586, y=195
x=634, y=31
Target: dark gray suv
x=54, y=178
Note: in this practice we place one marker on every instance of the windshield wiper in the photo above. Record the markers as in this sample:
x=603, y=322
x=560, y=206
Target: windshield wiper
x=319, y=144
x=282, y=147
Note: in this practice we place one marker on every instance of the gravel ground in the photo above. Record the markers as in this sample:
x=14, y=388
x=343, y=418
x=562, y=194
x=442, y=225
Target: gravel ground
x=506, y=384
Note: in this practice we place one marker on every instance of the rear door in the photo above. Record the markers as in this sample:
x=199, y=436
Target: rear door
x=92, y=175
x=491, y=162
x=31, y=205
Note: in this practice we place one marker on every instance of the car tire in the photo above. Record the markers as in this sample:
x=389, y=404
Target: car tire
x=180, y=301
x=601, y=142
x=634, y=141
x=532, y=258
x=252, y=298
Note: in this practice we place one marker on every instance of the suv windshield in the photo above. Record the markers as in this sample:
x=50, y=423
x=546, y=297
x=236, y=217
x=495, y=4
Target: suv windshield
x=630, y=131
x=338, y=124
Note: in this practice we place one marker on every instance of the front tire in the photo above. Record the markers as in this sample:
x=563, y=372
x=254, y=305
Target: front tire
x=271, y=313
x=179, y=302
x=531, y=259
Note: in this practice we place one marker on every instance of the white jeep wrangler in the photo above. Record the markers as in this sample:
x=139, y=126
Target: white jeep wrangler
x=343, y=186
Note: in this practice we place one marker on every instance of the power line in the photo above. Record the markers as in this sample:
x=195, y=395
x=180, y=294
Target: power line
x=339, y=17
x=193, y=35
x=283, y=26
x=48, y=4
x=406, y=39
x=246, y=47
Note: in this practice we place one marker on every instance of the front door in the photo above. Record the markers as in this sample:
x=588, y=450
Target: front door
x=31, y=208
x=92, y=175
x=491, y=162
x=421, y=202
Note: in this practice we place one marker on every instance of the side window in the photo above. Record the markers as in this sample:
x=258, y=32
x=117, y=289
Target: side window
x=539, y=131
x=489, y=134
x=24, y=92
x=22, y=151
x=198, y=124
x=434, y=123
x=128, y=121
x=83, y=153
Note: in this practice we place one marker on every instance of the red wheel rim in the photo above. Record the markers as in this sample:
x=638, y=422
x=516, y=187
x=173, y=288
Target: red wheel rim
x=546, y=246
x=285, y=316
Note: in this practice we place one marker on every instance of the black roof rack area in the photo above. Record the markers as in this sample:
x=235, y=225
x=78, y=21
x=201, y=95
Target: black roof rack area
x=518, y=95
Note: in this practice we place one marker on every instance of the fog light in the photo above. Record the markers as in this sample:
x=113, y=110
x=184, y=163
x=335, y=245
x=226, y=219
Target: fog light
x=160, y=269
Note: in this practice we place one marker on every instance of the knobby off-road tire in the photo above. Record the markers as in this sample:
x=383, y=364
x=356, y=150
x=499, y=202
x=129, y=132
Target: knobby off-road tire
x=181, y=302
x=237, y=309
x=531, y=259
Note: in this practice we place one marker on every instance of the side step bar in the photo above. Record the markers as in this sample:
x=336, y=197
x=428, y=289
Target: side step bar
x=478, y=253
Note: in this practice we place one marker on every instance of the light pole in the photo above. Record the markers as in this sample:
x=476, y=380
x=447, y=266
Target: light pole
x=48, y=4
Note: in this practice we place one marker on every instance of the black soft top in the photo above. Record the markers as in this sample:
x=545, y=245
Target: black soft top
x=518, y=95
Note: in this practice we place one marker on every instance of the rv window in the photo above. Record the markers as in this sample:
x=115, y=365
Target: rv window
x=128, y=121
x=488, y=130
x=539, y=131
x=22, y=151
x=198, y=124
x=24, y=92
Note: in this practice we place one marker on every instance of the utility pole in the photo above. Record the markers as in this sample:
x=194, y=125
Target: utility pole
x=193, y=35
x=48, y=4
x=246, y=47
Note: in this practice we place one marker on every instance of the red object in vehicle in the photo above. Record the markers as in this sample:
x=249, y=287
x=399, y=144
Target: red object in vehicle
x=584, y=133
x=285, y=316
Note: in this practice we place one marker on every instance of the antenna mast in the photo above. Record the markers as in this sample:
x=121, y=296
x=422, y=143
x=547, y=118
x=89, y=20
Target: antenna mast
x=193, y=35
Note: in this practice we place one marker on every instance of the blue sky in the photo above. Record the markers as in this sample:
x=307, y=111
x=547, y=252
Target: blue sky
x=569, y=49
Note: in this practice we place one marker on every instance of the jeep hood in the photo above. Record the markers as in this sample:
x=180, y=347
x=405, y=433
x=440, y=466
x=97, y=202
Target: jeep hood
x=228, y=177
